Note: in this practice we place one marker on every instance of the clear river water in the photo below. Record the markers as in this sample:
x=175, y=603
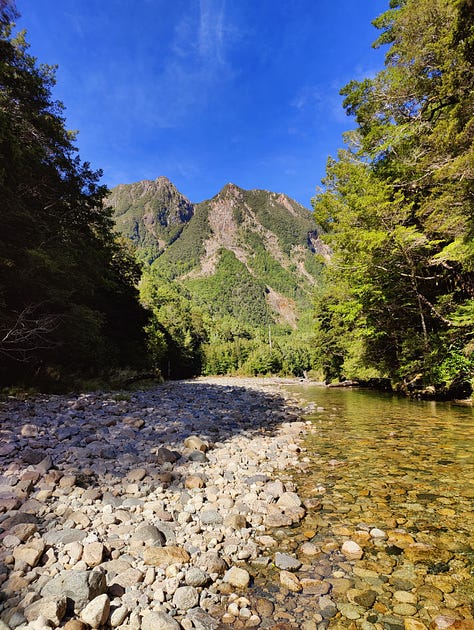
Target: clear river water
x=395, y=476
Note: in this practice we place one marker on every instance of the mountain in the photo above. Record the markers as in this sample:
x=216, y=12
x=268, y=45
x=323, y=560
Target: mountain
x=247, y=254
x=150, y=213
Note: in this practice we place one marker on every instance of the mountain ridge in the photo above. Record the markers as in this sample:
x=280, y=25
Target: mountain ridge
x=262, y=242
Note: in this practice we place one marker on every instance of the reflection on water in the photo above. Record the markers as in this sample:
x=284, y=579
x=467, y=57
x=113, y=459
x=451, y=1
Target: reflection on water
x=403, y=467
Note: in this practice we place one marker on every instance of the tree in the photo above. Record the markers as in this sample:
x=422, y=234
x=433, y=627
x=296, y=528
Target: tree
x=67, y=296
x=176, y=328
x=398, y=203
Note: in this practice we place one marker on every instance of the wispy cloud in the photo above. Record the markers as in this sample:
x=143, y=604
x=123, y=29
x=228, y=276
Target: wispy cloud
x=309, y=96
x=316, y=105
x=212, y=31
x=194, y=64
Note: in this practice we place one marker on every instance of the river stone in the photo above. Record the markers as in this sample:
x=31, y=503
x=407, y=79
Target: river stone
x=165, y=455
x=286, y=562
x=400, y=539
x=193, y=482
x=198, y=456
x=202, y=620
x=264, y=607
x=78, y=586
x=129, y=577
x=288, y=500
x=237, y=577
x=149, y=534
x=258, y=478
x=309, y=549
x=196, y=577
x=118, y=616
x=414, y=624
x=441, y=622
x=64, y=536
x=277, y=519
x=366, y=599
x=405, y=610
x=7, y=449
x=136, y=475
x=30, y=552
x=96, y=613
x=315, y=587
x=422, y=552
x=23, y=531
x=210, y=517
x=185, y=597
x=274, y=488
x=390, y=622
x=340, y=586
x=93, y=553
x=196, y=443
x=327, y=606
x=405, y=598
x=213, y=563
x=352, y=550
x=295, y=513
x=158, y=620
x=53, y=609
x=235, y=521
x=290, y=581
x=164, y=556
x=349, y=611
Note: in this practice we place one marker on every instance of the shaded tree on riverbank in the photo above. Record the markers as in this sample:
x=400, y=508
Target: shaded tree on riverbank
x=67, y=296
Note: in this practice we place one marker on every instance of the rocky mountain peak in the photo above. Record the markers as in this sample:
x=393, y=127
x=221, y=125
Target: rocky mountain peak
x=151, y=213
x=248, y=254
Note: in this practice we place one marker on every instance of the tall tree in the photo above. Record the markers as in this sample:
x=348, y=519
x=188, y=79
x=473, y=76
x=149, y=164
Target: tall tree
x=67, y=296
x=398, y=203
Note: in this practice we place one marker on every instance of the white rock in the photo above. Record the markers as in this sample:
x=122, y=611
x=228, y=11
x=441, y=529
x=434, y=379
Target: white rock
x=352, y=550
x=118, y=616
x=237, y=577
x=96, y=613
x=158, y=620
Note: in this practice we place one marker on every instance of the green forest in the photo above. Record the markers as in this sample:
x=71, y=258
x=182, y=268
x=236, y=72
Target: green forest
x=80, y=305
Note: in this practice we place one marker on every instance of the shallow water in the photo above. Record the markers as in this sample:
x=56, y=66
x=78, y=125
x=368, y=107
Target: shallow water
x=403, y=467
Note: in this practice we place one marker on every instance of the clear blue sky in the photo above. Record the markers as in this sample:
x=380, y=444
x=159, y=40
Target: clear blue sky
x=206, y=92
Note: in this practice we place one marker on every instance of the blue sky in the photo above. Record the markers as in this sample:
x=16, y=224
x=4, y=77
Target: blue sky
x=206, y=92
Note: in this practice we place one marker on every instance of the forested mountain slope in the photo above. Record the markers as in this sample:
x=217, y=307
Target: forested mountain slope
x=247, y=254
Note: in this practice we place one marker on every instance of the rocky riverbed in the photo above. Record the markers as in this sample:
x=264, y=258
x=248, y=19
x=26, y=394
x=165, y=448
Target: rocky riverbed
x=177, y=508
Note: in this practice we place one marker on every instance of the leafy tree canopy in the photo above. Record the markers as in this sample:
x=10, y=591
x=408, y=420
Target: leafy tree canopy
x=398, y=202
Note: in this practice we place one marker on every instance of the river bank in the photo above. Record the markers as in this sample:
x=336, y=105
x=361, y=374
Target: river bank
x=146, y=510
x=176, y=507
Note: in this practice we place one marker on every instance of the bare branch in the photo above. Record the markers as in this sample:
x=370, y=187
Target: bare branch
x=30, y=332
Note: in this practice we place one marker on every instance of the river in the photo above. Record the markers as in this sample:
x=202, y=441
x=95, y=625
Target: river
x=396, y=477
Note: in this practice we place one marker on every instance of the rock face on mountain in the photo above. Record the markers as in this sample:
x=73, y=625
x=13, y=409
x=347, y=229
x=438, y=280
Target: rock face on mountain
x=150, y=213
x=246, y=253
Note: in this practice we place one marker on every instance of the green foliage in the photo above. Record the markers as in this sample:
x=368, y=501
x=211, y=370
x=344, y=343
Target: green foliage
x=226, y=357
x=67, y=297
x=290, y=225
x=176, y=261
x=398, y=203
x=176, y=329
x=232, y=292
x=273, y=274
x=263, y=360
x=455, y=366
